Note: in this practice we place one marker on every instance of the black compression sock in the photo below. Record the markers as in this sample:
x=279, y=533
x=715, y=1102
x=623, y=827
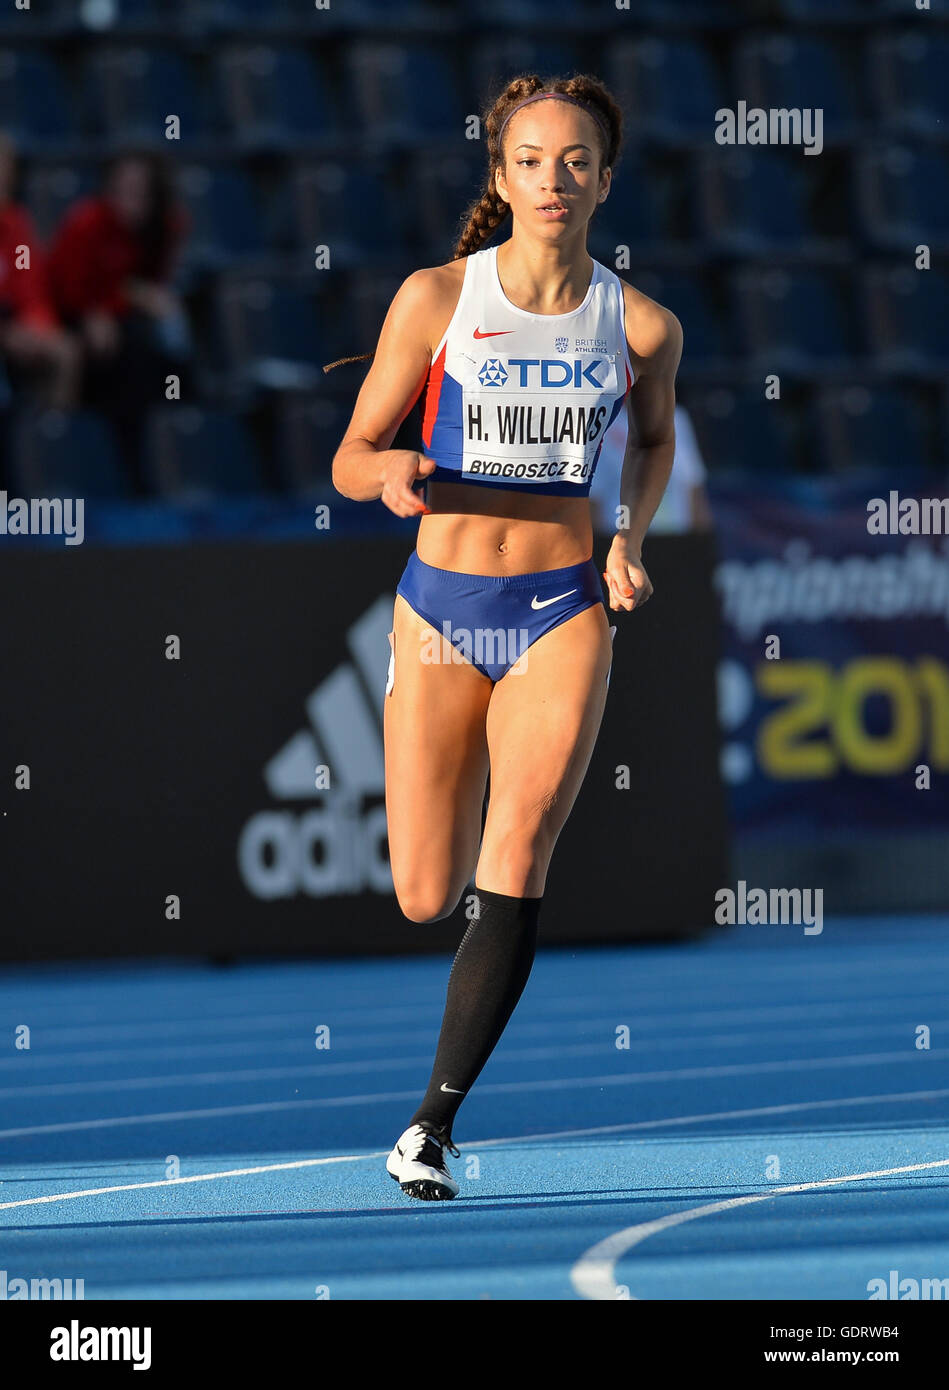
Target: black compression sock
x=487, y=978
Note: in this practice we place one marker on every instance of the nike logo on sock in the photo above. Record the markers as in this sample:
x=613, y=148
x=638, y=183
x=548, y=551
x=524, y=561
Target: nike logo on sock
x=545, y=603
x=451, y=1089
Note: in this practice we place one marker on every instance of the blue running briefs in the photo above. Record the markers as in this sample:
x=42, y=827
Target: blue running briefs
x=491, y=620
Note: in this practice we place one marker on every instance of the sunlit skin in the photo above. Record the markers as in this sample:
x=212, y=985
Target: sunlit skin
x=534, y=729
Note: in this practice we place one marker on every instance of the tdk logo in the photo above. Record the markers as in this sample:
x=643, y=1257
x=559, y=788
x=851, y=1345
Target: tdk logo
x=492, y=373
x=538, y=371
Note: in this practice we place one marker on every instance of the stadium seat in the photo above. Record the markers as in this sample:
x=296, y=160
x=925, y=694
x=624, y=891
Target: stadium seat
x=896, y=9
x=902, y=196
x=443, y=186
x=533, y=16
x=687, y=14
x=378, y=16
x=50, y=188
x=908, y=74
x=129, y=93
x=104, y=17
x=193, y=454
x=868, y=426
x=795, y=321
x=708, y=341
x=53, y=18
x=275, y=96
x=494, y=61
x=737, y=428
x=368, y=295
x=309, y=432
x=225, y=227
x=345, y=127
x=228, y=16
x=669, y=89
x=906, y=312
x=825, y=11
x=269, y=332
x=349, y=206
x=754, y=201
x=60, y=454
x=33, y=105
x=785, y=70
x=632, y=214
x=403, y=93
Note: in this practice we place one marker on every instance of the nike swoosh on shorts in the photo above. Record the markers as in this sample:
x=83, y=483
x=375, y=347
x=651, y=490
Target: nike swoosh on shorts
x=545, y=603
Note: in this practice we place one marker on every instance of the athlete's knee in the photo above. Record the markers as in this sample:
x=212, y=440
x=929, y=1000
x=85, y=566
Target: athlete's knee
x=426, y=903
x=520, y=853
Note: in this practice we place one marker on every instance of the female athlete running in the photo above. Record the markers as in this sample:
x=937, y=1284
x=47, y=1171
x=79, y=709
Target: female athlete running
x=500, y=645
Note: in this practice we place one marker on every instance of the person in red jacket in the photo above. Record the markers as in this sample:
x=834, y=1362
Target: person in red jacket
x=110, y=265
x=31, y=337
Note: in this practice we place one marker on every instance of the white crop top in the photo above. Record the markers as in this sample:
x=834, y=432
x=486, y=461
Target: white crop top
x=520, y=400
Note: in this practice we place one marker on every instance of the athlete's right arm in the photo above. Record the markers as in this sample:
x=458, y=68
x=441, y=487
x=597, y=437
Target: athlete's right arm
x=364, y=466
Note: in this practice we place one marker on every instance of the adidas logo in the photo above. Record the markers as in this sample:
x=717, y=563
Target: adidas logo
x=338, y=844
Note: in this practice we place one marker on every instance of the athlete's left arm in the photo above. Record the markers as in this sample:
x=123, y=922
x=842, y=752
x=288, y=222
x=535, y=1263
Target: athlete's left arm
x=654, y=335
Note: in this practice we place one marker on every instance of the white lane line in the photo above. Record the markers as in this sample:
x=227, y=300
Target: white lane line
x=177, y=1182
x=642, y=1031
x=636, y=996
x=217, y=1078
x=593, y=1275
x=709, y=1116
x=27, y=1090
x=506, y=1139
x=795, y=1065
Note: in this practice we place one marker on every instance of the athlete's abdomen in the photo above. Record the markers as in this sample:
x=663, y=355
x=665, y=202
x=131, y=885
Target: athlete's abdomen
x=478, y=530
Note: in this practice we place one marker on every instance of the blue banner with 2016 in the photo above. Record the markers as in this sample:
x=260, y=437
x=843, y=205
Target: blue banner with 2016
x=834, y=677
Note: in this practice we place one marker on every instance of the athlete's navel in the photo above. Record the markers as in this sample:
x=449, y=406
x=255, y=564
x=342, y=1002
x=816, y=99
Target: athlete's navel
x=502, y=547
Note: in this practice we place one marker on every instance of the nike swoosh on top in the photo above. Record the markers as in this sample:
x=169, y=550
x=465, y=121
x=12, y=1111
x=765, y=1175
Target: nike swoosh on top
x=498, y=334
x=443, y=1087
x=544, y=603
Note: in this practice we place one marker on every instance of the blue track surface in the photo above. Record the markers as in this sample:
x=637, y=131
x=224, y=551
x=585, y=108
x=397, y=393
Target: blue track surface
x=759, y=1060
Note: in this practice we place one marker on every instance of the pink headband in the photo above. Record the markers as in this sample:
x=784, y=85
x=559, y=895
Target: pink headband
x=554, y=96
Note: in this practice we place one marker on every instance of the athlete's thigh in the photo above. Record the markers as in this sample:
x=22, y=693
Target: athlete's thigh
x=542, y=726
x=436, y=764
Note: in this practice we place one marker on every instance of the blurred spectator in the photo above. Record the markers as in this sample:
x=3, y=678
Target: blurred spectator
x=110, y=265
x=684, y=506
x=32, y=341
